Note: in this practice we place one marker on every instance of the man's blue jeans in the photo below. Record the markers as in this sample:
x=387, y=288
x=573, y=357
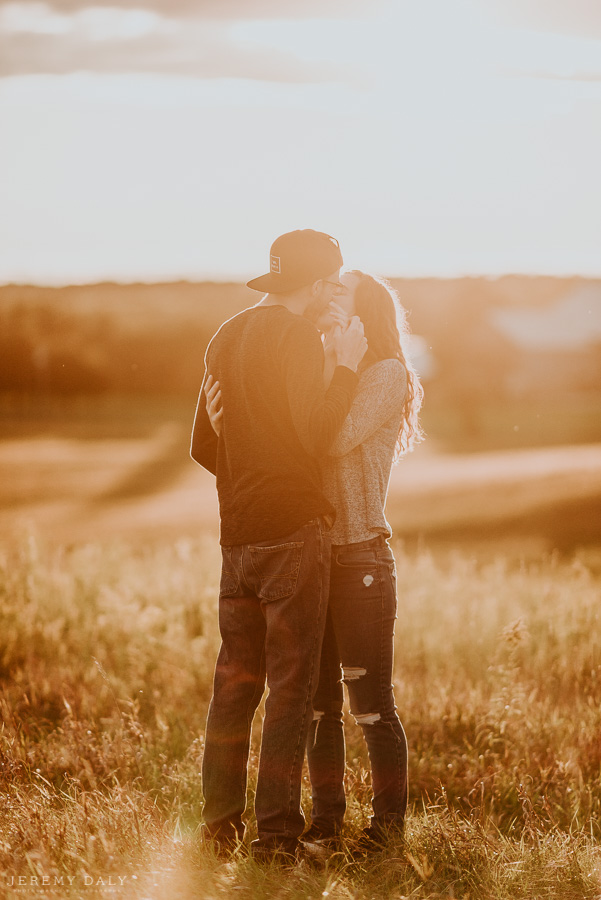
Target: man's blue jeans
x=359, y=636
x=272, y=611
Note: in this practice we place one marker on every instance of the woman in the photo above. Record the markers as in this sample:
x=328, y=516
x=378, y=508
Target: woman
x=381, y=427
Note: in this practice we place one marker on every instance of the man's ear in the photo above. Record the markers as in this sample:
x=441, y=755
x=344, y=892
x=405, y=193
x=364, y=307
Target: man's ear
x=316, y=287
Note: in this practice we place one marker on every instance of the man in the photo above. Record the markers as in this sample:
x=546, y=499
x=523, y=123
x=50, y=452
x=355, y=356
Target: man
x=277, y=419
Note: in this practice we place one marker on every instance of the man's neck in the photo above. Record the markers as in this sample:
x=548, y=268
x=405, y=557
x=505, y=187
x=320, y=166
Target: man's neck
x=294, y=303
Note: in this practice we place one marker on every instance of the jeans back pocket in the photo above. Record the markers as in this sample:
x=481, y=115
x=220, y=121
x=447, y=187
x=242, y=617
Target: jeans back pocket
x=277, y=569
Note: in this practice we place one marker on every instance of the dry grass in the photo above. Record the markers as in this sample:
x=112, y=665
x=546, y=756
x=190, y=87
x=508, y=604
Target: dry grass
x=106, y=657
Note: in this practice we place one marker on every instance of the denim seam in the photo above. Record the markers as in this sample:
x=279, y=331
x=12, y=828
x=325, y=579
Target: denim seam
x=231, y=573
x=381, y=686
x=309, y=693
x=332, y=766
x=331, y=760
x=395, y=735
x=249, y=719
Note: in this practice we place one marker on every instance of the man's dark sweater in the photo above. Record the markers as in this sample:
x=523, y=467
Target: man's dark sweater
x=277, y=419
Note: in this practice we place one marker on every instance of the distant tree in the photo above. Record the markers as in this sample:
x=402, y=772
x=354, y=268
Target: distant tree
x=17, y=369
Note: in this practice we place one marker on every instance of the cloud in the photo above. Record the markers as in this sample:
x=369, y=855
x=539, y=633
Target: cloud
x=549, y=55
x=580, y=18
x=554, y=76
x=37, y=40
x=202, y=55
x=224, y=10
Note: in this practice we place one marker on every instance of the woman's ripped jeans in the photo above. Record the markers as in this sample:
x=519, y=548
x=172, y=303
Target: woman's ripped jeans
x=359, y=639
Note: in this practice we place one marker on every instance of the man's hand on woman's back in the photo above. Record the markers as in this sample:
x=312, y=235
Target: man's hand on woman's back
x=214, y=406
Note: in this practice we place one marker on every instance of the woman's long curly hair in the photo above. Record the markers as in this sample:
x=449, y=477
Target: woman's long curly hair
x=385, y=322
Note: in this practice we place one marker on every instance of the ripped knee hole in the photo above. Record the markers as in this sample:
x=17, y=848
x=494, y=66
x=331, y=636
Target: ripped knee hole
x=368, y=718
x=352, y=673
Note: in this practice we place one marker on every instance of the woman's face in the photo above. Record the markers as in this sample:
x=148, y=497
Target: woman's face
x=346, y=294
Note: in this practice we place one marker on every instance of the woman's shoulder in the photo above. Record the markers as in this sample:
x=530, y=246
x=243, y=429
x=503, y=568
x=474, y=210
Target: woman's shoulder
x=385, y=370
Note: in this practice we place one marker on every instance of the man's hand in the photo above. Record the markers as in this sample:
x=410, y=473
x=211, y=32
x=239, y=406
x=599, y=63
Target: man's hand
x=350, y=344
x=214, y=407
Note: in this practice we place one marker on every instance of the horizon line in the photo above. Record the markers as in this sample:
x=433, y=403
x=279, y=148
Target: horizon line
x=488, y=276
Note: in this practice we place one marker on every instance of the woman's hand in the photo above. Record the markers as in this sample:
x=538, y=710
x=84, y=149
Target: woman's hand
x=214, y=407
x=339, y=315
x=339, y=322
x=330, y=338
x=350, y=344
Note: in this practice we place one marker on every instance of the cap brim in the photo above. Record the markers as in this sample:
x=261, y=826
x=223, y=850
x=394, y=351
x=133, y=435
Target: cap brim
x=261, y=283
x=271, y=284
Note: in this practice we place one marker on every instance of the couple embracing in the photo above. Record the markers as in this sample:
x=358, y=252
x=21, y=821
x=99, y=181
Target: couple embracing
x=308, y=399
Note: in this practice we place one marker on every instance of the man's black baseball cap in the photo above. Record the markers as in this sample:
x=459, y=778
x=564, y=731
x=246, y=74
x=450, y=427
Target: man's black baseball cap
x=296, y=259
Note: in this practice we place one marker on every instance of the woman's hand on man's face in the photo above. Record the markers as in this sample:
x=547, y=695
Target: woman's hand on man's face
x=338, y=315
x=333, y=323
x=213, y=404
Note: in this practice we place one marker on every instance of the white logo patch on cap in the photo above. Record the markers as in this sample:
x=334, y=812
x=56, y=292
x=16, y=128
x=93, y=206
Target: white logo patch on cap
x=275, y=265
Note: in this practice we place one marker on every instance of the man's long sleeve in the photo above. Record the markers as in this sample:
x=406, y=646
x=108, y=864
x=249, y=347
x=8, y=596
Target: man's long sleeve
x=317, y=413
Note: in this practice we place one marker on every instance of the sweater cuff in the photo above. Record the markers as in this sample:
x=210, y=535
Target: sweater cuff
x=345, y=378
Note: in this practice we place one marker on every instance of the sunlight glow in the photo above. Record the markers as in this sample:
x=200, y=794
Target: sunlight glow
x=429, y=139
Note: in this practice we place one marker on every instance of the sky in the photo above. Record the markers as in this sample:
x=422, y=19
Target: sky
x=149, y=140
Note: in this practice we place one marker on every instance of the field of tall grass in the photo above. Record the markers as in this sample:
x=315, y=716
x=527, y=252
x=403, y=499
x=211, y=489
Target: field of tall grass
x=106, y=659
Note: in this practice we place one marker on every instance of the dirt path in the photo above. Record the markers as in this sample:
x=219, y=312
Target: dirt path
x=73, y=491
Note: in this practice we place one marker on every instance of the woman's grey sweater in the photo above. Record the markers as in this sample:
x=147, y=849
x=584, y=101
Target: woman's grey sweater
x=357, y=469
